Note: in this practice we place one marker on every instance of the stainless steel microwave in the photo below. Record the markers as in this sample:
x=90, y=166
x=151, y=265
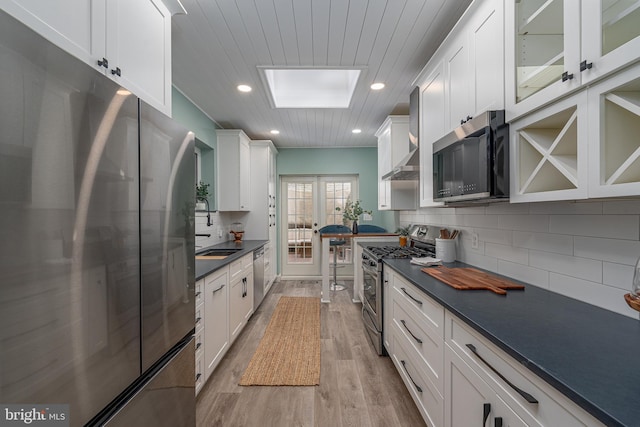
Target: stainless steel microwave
x=472, y=162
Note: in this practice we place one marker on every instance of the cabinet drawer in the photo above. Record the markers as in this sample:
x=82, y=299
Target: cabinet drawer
x=199, y=341
x=424, y=393
x=238, y=266
x=411, y=296
x=199, y=292
x=552, y=409
x=199, y=372
x=199, y=319
x=410, y=327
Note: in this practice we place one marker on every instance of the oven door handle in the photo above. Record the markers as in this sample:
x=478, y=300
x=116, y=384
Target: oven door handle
x=368, y=324
x=370, y=270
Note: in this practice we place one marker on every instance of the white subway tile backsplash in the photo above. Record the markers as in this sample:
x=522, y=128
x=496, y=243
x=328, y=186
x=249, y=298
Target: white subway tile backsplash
x=480, y=221
x=609, y=226
x=583, y=268
x=576, y=208
x=472, y=210
x=507, y=208
x=556, y=243
x=524, y=222
x=593, y=293
x=493, y=235
x=477, y=258
x=534, y=276
x=622, y=207
x=618, y=275
x=585, y=246
x=613, y=250
x=507, y=253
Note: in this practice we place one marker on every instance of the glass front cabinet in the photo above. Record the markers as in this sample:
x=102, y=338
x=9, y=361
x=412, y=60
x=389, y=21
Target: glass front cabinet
x=553, y=47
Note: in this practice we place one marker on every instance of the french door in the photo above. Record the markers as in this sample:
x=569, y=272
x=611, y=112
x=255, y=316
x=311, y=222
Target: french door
x=307, y=204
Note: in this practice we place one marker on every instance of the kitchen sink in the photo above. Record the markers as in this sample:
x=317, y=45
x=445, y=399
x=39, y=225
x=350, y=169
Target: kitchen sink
x=217, y=252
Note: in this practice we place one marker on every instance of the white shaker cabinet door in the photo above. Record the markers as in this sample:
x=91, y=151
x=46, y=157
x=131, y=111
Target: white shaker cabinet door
x=138, y=46
x=66, y=23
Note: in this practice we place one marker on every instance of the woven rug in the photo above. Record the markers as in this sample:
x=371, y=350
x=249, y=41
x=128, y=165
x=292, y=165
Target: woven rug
x=289, y=352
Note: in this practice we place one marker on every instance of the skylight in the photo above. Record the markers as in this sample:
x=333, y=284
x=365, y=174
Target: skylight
x=311, y=87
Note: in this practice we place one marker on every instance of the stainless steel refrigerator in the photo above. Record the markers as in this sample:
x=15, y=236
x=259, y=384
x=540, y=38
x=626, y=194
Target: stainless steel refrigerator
x=96, y=243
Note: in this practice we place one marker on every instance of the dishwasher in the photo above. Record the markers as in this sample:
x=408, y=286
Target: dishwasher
x=258, y=277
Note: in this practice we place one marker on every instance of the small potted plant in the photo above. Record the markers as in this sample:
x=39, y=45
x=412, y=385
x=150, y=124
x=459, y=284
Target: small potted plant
x=202, y=192
x=351, y=212
x=403, y=234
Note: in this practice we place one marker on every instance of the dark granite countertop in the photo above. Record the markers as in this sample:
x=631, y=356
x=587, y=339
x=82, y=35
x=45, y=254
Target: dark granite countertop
x=587, y=353
x=206, y=267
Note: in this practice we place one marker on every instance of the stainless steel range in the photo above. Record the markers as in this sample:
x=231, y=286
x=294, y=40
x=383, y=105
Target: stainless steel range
x=372, y=257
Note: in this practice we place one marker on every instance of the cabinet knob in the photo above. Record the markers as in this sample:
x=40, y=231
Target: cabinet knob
x=566, y=76
x=103, y=63
x=116, y=71
x=584, y=65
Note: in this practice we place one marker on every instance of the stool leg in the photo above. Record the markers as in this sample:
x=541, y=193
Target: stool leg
x=334, y=285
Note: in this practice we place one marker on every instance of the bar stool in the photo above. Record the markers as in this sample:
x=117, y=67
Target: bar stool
x=335, y=243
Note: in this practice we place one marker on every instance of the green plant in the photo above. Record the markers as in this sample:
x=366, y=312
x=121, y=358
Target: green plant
x=202, y=191
x=404, y=231
x=352, y=210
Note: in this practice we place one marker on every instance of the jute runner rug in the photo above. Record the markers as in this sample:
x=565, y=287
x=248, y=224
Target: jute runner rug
x=289, y=352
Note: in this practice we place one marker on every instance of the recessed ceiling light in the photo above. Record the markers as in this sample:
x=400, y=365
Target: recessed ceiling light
x=356, y=131
x=244, y=88
x=377, y=86
x=310, y=87
x=275, y=131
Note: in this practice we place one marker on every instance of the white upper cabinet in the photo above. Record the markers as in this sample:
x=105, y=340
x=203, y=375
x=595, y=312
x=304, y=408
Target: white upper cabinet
x=542, y=48
x=555, y=46
x=138, y=48
x=393, y=146
x=549, y=151
x=610, y=36
x=432, y=125
x=129, y=41
x=66, y=23
x=234, y=170
x=474, y=63
x=614, y=126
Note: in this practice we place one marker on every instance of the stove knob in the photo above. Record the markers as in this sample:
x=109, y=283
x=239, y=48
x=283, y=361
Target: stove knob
x=364, y=256
x=372, y=263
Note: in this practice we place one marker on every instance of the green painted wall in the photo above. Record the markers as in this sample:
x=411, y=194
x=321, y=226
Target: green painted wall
x=331, y=161
x=192, y=118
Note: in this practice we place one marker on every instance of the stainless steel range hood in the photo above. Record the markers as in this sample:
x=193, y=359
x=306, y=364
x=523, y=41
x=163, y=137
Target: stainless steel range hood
x=408, y=169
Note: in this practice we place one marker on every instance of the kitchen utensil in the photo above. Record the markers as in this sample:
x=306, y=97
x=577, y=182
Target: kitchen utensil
x=446, y=249
x=471, y=279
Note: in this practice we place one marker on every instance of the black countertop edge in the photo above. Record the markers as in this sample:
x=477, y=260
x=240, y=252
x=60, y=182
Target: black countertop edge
x=206, y=267
x=585, y=352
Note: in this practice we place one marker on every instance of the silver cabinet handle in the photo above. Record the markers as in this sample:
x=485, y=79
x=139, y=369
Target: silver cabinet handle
x=219, y=289
x=521, y=392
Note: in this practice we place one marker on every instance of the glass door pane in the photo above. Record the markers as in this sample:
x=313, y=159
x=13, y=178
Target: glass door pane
x=619, y=23
x=539, y=47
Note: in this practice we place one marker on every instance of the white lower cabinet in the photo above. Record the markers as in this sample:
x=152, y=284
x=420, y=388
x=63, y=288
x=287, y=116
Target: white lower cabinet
x=470, y=401
x=529, y=397
x=216, y=336
x=457, y=377
x=240, y=295
x=414, y=330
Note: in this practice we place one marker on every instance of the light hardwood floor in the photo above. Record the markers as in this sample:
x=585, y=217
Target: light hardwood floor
x=357, y=387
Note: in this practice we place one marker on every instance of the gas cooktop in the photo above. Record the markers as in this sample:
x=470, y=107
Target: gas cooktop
x=399, y=252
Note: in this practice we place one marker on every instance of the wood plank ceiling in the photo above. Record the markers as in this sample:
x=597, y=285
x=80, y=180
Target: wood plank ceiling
x=220, y=44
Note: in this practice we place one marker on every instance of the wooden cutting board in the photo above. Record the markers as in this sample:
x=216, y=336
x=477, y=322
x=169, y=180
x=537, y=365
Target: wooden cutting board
x=471, y=279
